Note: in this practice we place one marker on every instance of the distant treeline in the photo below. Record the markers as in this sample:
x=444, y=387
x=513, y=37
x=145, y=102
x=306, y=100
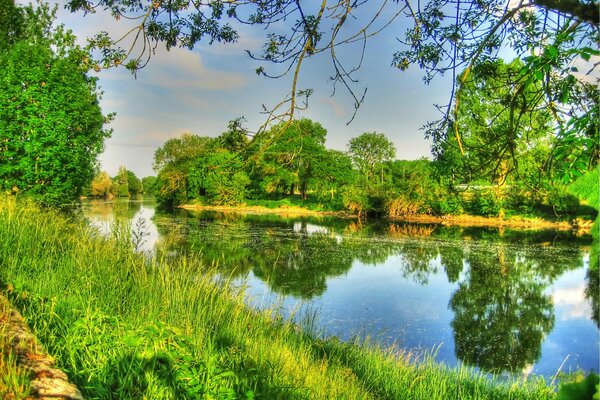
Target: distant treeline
x=124, y=184
x=290, y=165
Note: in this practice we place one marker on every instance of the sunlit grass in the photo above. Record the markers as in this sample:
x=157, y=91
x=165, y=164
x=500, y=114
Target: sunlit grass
x=125, y=326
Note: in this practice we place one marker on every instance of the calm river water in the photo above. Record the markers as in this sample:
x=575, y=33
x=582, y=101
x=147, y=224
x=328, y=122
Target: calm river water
x=504, y=301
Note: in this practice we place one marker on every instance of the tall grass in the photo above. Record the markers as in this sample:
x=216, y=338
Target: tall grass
x=125, y=326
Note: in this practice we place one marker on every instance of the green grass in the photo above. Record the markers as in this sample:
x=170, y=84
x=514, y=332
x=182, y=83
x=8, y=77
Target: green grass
x=310, y=203
x=125, y=326
x=586, y=187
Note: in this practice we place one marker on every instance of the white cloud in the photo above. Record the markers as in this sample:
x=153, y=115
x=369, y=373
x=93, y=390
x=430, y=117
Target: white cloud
x=572, y=302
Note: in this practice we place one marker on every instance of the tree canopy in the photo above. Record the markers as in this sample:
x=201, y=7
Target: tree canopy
x=554, y=38
x=51, y=125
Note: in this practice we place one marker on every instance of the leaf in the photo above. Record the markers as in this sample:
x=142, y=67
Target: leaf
x=539, y=75
x=552, y=51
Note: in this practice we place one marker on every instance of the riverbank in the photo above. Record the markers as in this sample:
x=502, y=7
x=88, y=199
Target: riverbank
x=580, y=226
x=125, y=326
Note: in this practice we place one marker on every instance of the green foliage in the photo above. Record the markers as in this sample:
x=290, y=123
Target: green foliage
x=173, y=161
x=586, y=187
x=356, y=200
x=50, y=120
x=122, y=182
x=134, y=184
x=235, y=139
x=369, y=151
x=332, y=172
x=449, y=204
x=149, y=184
x=562, y=202
x=497, y=136
x=586, y=389
x=220, y=177
x=483, y=202
x=288, y=154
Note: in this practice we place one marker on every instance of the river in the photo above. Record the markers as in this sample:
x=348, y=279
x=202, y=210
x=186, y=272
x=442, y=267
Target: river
x=504, y=301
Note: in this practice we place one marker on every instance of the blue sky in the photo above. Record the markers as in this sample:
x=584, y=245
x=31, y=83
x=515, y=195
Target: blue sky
x=199, y=91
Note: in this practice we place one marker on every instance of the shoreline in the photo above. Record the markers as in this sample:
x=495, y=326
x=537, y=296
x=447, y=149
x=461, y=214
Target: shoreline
x=578, y=225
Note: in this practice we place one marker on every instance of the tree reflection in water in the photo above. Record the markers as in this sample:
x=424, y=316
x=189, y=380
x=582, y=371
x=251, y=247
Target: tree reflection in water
x=501, y=309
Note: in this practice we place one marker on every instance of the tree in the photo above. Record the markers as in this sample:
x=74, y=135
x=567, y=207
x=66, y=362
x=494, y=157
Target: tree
x=235, y=139
x=505, y=131
x=51, y=125
x=443, y=37
x=287, y=155
x=220, y=177
x=332, y=172
x=134, y=184
x=173, y=161
x=101, y=185
x=121, y=183
x=148, y=184
x=369, y=151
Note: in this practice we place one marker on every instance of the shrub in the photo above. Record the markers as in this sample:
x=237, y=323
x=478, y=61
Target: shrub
x=562, y=203
x=484, y=203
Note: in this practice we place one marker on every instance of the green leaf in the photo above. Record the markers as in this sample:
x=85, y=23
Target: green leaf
x=552, y=51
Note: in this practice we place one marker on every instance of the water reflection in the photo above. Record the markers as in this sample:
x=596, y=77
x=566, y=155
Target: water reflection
x=500, y=306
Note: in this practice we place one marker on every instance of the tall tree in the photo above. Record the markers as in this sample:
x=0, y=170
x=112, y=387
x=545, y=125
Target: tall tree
x=369, y=151
x=51, y=124
x=291, y=150
x=173, y=162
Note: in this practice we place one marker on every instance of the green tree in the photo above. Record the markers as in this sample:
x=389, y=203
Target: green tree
x=499, y=128
x=11, y=23
x=148, y=184
x=332, y=172
x=287, y=155
x=369, y=151
x=235, y=139
x=134, y=184
x=220, y=177
x=173, y=162
x=121, y=182
x=51, y=125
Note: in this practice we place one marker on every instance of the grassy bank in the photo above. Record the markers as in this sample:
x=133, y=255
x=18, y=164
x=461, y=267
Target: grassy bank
x=123, y=326
x=586, y=188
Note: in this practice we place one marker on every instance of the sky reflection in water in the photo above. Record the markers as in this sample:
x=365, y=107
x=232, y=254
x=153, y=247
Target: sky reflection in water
x=500, y=301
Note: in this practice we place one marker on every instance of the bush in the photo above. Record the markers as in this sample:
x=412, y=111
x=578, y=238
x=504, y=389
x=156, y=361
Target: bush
x=484, y=203
x=446, y=205
x=562, y=203
x=521, y=201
